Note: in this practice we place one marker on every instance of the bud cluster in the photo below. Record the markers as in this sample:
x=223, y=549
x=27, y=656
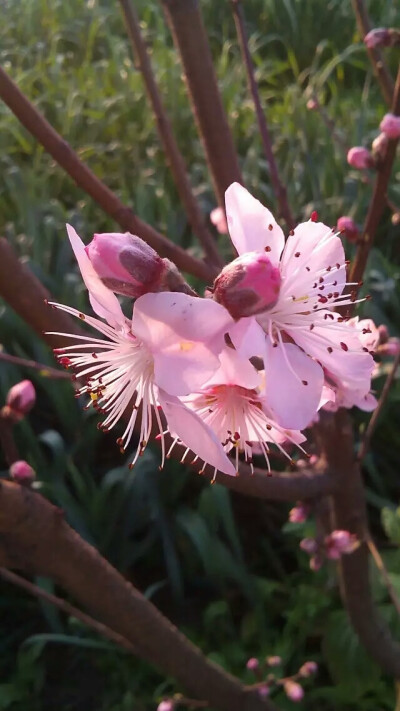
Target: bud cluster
x=331, y=547
x=267, y=681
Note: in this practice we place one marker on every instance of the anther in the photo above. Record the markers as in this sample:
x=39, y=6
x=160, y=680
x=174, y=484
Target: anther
x=297, y=254
x=314, y=216
x=343, y=346
x=329, y=349
x=267, y=249
x=270, y=227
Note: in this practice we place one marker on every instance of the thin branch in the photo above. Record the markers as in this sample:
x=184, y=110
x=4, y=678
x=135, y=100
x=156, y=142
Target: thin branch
x=174, y=156
x=69, y=609
x=45, y=370
x=277, y=185
x=35, y=538
x=375, y=415
x=190, y=37
x=279, y=486
x=378, y=64
x=67, y=159
x=385, y=575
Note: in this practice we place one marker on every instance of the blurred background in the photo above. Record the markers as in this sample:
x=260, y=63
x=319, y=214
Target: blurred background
x=225, y=568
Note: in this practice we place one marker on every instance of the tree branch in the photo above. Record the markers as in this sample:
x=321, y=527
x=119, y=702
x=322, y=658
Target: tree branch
x=45, y=370
x=187, y=27
x=277, y=185
x=67, y=159
x=381, y=71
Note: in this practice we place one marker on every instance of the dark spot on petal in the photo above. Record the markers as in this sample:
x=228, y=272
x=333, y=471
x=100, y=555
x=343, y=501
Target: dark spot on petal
x=343, y=346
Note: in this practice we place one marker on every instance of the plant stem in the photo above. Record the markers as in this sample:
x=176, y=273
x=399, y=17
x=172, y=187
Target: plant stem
x=45, y=370
x=385, y=575
x=381, y=71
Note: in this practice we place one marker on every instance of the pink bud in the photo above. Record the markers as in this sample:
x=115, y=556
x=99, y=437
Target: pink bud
x=379, y=145
x=218, y=218
x=166, y=705
x=316, y=562
x=309, y=545
x=391, y=348
x=22, y=472
x=360, y=158
x=248, y=285
x=293, y=690
x=390, y=126
x=299, y=513
x=379, y=37
x=339, y=542
x=348, y=228
x=383, y=333
x=273, y=661
x=312, y=104
x=125, y=263
x=252, y=664
x=308, y=668
x=263, y=690
x=20, y=400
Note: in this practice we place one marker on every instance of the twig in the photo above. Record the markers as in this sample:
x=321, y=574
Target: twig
x=187, y=27
x=45, y=370
x=63, y=154
x=66, y=607
x=7, y=440
x=174, y=156
x=375, y=415
x=385, y=575
x=380, y=69
x=278, y=187
x=330, y=124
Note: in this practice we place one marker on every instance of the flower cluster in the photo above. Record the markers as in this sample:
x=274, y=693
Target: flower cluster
x=244, y=369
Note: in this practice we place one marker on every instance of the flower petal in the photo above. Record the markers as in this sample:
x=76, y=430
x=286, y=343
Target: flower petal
x=180, y=372
x=248, y=337
x=235, y=370
x=252, y=226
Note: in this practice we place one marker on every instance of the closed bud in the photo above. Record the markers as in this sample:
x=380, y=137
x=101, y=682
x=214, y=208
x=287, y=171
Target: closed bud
x=309, y=545
x=125, y=263
x=390, y=126
x=390, y=348
x=308, y=669
x=383, y=333
x=299, y=513
x=20, y=400
x=293, y=690
x=248, y=285
x=348, y=228
x=378, y=37
x=166, y=705
x=218, y=218
x=263, y=690
x=252, y=664
x=22, y=473
x=360, y=158
x=339, y=542
x=379, y=145
x=312, y=104
x=316, y=562
x=273, y=660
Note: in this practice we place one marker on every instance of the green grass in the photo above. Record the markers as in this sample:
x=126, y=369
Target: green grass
x=227, y=569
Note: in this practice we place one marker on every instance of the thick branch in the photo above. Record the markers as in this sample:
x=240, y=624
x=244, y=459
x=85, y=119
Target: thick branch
x=190, y=37
x=380, y=69
x=63, y=154
x=35, y=538
x=278, y=187
x=281, y=486
x=174, y=156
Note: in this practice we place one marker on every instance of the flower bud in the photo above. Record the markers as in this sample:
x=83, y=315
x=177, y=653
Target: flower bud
x=22, y=473
x=273, y=661
x=309, y=545
x=383, y=333
x=379, y=145
x=390, y=126
x=299, y=513
x=166, y=705
x=339, y=542
x=263, y=690
x=391, y=348
x=293, y=690
x=248, y=285
x=378, y=37
x=316, y=562
x=307, y=669
x=218, y=218
x=125, y=263
x=252, y=664
x=20, y=400
x=348, y=228
x=360, y=158
x=312, y=104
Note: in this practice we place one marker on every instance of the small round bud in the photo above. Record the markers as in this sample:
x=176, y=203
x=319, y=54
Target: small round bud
x=248, y=285
x=379, y=145
x=252, y=664
x=312, y=104
x=391, y=348
x=316, y=562
x=309, y=545
x=348, y=228
x=360, y=158
x=390, y=126
x=273, y=661
x=395, y=219
x=20, y=400
x=293, y=690
x=166, y=705
x=22, y=473
x=383, y=333
x=339, y=542
x=308, y=669
x=263, y=690
x=218, y=219
x=378, y=37
x=299, y=513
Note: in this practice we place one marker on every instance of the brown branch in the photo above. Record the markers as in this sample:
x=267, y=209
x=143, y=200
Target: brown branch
x=350, y=515
x=375, y=415
x=35, y=538
x=378, y=201
x=277, y=185
x=190, y=37
x=45, y=370
x=385, y=575
x=67, y=159
x=174, y=156
x=380, y=69
x=281, y=486
x=7, y=439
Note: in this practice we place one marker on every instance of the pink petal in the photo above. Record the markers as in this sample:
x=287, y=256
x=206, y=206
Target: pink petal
x=235, y=370
x=252, y=226
x=287, y=369
x=195, y=434
x=248, y=337
x=104, y=303
x=181, y=372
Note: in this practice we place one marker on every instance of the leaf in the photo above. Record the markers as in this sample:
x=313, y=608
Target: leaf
x=391, y=524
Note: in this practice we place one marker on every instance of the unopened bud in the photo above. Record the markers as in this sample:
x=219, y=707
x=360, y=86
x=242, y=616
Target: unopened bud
x=218, y=218
x=379, y=145
x=125, y=263
x=263, y=690
x=378, y=37
x=273, y=661
x=309, y=545
x=312, y=104
x=348, y=228
x=395, y=219
x=340, y=542
x=391, y=348
x=252, y=664
x=383, y=333
x=22, y=473
x=308, y=669
x=390, y=126
x=293, y=690
x=248, y=285
x=360, y=158
x=299, y=513
x=316, y=562
x=166, y=705
x=20, y=400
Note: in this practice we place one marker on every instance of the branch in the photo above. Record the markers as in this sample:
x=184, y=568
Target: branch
x=380, y=69
x=174, y=156
x=281, y=486
x=34, y=537
x=187, y=27
x=278, y=187
x=67, y=159
x=45, y=370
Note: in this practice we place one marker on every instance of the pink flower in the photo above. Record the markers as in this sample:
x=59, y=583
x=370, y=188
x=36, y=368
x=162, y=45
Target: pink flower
x=339, y=542
x=348, y=228
x=360, y=158
x=21, y=472
x=298, y=337
x=378, y=37
x=169, y=348
x=166, y=705
x=252, y=664
x=390, y=126
x=293, y=690
x=20, y=400
x=125, y=263
x=300, y=513
x=273, y=661
x=308, y=669
x=217, y=217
